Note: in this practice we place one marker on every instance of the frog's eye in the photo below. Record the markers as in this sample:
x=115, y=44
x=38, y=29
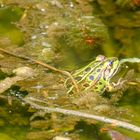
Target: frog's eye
x=110, y=63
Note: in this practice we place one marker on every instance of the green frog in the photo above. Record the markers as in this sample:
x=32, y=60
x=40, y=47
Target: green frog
x=96, y=75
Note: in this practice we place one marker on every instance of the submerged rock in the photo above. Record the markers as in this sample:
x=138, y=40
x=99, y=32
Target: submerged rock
x=21, y=74
x=24, y=72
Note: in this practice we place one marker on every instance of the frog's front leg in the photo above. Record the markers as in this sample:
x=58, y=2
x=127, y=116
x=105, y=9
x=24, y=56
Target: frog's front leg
x=112, y=87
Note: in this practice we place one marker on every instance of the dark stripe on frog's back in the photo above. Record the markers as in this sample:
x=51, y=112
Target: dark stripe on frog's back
x=97, y=73
x=83, y=70
x=88, y=72
x=94, y=70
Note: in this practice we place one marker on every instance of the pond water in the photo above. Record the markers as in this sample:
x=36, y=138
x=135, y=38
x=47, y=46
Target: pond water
x=67, y=34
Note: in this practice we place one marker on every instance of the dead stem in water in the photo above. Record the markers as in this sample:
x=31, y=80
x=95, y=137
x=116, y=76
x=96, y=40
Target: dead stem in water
x=44, y=65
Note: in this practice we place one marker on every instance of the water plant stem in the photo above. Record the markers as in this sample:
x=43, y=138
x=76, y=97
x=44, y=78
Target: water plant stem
x=130, y=60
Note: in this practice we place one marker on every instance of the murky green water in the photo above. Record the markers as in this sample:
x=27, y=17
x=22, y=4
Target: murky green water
x=67, y=35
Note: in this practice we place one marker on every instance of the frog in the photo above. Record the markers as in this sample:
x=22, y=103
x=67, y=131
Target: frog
x=96, y=75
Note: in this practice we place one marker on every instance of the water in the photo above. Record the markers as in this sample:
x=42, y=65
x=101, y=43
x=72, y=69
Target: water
x=66, y=38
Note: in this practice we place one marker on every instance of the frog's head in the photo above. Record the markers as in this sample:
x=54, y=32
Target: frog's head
x=111, y=65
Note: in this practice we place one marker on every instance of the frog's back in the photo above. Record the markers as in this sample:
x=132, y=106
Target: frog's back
x=97, y=74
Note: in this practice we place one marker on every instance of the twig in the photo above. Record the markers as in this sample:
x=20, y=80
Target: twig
x=44, y=65
x=30, y=100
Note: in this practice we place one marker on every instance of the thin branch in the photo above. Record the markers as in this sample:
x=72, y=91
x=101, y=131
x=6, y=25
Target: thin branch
x=30, y=100
x=44, y=65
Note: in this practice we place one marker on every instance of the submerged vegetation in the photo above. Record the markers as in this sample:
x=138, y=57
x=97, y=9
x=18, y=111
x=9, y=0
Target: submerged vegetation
x=42, y=43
